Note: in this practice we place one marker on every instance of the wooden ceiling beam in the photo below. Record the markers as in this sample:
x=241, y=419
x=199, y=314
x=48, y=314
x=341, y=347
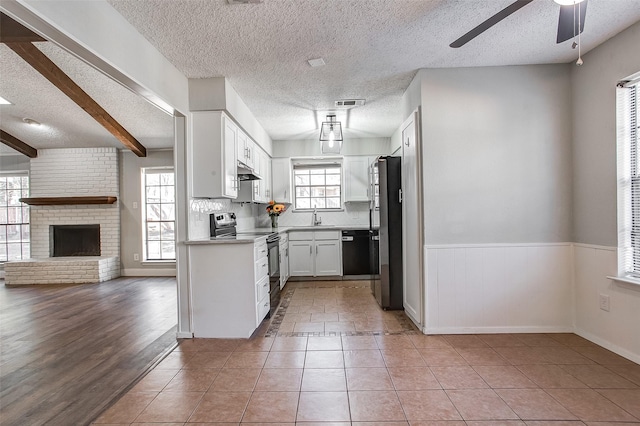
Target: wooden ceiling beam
x=15, y=143
x=39, y=61
x=12, y=31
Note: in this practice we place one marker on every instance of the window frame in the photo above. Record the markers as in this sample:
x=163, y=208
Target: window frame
x=144, y=171
x=23, y=207
x=628, y=174
x=319, y=163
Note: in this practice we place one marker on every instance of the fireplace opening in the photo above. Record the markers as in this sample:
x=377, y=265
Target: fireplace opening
x=74, y=240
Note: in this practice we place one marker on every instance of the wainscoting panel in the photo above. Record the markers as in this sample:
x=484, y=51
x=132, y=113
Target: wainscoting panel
x=499, y=288
x=618, y=328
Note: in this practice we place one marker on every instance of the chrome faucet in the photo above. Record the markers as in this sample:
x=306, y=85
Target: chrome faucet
x=315, y=219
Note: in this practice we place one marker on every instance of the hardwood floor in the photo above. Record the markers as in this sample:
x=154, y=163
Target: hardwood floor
x=67, y=351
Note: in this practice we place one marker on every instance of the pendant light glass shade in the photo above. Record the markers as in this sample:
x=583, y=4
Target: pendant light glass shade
x=331, y=135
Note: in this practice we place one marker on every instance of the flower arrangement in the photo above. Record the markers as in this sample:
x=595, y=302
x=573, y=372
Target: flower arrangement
x=275, y=209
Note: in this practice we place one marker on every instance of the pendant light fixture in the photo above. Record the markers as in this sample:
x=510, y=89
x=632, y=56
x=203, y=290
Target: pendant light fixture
x=331, y=135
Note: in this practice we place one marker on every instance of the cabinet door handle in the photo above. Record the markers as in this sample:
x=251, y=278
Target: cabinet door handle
x=316, y=250
x=310, y=250
x=285, y=194
x=407, y=142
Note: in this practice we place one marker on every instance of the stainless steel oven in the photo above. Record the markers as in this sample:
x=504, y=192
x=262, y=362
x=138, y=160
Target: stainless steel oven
x=273, y=248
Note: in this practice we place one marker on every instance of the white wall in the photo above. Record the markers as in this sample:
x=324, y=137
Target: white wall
x=14, y=163
x=617, y=329
x=497, y=154
x=499, y=288
x=211, y=94
x=131, y=228
x=594, y=196
x=594, y=128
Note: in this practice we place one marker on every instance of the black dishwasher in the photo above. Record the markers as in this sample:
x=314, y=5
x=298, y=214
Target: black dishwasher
x=355, y=252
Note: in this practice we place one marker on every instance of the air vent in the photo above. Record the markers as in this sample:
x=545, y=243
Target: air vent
x=349, y=103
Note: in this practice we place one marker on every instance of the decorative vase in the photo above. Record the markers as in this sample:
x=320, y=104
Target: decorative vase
x=274, y=221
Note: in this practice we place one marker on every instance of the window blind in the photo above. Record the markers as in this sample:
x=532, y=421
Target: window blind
x=628, y=181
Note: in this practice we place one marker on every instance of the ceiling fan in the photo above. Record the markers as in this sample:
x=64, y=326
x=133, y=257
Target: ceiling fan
x=570, y=23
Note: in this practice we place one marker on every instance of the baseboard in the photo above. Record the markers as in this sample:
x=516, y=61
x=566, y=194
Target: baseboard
x=149, y=272
x=495, y=330
x=608, y=345
x=325, y=278
x=184, y=335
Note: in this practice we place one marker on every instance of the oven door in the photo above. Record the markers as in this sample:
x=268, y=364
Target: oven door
x=274, y=274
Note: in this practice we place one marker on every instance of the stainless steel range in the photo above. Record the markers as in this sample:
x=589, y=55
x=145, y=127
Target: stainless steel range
x=223, y=225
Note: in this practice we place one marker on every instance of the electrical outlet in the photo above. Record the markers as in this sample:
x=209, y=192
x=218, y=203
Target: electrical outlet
x=605, y=302
x=135, y=204
x=136, y=257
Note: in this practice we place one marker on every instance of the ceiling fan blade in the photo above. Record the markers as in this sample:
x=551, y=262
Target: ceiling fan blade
x=567, y=26
x=512, y=8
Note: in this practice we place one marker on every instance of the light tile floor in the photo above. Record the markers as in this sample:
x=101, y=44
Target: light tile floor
x=334, y=358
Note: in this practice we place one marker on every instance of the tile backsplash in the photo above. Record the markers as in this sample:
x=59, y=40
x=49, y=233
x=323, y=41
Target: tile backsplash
x=251, y=215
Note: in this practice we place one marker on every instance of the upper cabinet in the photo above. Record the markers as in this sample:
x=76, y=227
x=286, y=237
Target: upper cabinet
x=356, y=178
x=257, y=191
x=213, y=155
x=281, y=180
x=246, y=150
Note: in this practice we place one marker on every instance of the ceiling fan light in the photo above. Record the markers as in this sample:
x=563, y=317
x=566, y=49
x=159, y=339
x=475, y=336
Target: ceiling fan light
x=568, y=2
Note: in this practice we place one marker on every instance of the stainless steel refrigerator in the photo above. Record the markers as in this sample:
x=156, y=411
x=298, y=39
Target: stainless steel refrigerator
x=385, y=217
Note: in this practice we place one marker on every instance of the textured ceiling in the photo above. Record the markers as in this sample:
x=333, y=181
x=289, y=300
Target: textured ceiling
x=65, y=124
x=372, y=49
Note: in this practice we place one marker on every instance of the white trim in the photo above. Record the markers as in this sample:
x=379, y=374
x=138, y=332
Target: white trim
x=595, y=247
x=184, y=335
x=628, y=280
x=608, y=345
x=490, y=245
x=489, y=330
x=149, y=272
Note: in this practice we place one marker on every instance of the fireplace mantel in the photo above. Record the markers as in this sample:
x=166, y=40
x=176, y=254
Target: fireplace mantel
x=67, y=201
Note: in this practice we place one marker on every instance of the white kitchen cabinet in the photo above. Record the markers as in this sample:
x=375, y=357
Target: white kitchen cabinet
x=246, y=149
x=281, y=180
x=266, y=178
x=315, y=253
x=301, y=258
x=328, y=258
x=356, y=178
x=213, y=155
x=230, y=288
x=284, y=259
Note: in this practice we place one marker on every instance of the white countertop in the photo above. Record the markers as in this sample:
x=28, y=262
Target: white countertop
x=238, y=239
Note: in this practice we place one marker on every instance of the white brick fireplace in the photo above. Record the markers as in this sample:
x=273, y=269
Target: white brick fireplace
x=75, y=172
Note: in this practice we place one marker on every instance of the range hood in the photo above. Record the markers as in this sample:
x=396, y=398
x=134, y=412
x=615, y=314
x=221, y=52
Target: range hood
x=245, y=173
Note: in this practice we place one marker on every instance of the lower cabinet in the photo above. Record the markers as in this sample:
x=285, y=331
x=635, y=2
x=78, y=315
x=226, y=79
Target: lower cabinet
x=315, y=253
x=284, y=259
x=229, y=288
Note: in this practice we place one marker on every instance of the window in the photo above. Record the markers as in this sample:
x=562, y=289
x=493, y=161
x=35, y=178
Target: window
x=628, y=181
x=317, y=186
x=159, y=214
x=14, y=217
